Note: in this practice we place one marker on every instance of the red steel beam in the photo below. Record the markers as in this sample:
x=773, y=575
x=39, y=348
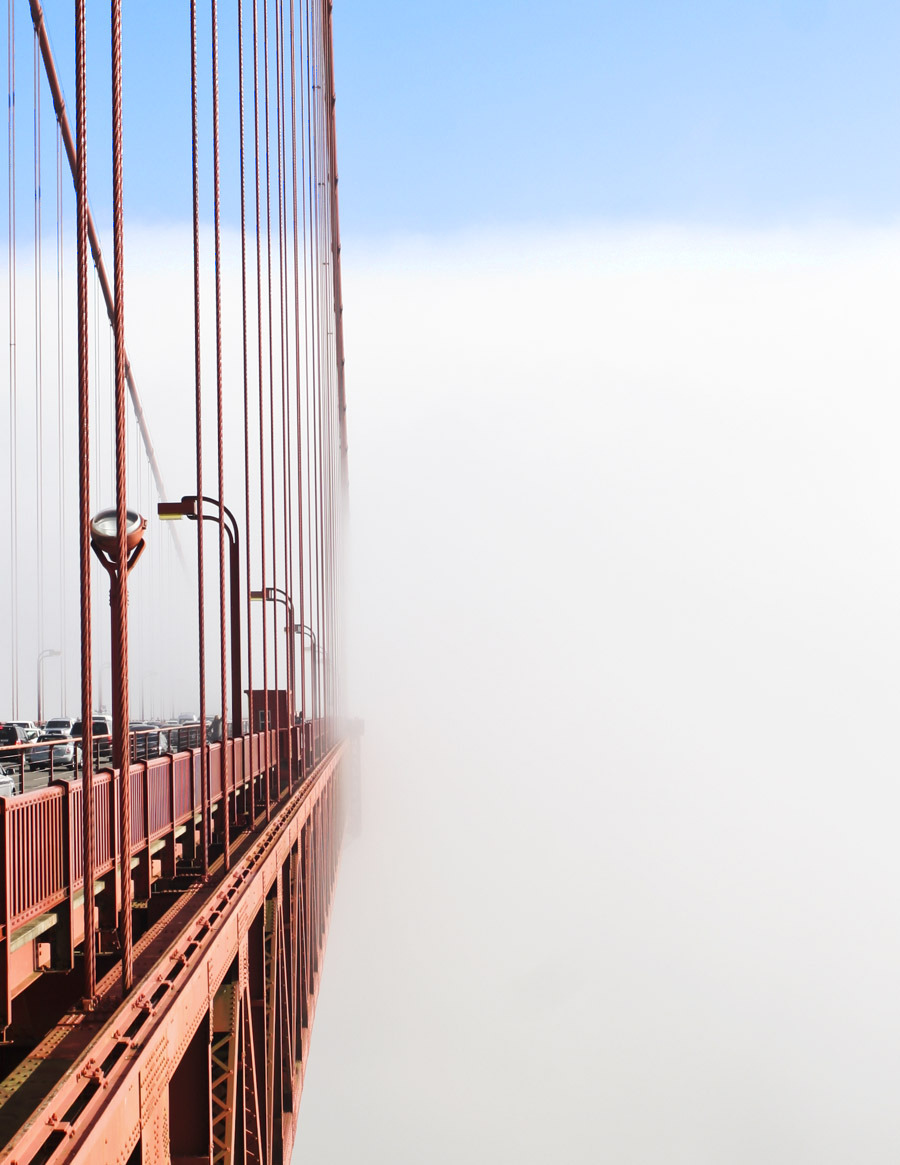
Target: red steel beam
x=116, y=1091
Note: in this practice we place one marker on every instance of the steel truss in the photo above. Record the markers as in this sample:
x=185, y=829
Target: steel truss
x=205, y=1059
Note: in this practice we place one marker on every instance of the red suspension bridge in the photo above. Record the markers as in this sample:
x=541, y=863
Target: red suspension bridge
x=169, y=847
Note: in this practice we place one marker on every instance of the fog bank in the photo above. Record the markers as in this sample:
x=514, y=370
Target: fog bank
x=624, y=636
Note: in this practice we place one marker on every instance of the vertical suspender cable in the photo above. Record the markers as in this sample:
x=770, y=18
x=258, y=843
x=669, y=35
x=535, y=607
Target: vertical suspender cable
x=288, y=397
x=311, y=467
x=318, y=386
x=60, y=424
x=271, y=380
x=262, y=443
x=285, y=372
x=38, y=353
x=84, y=488
x=240, y=16
x=223, y=660
x=121, y=752
x=204, y=758
x=303, y=704
x=309, y=371
x=13, y=403
x=309, y=303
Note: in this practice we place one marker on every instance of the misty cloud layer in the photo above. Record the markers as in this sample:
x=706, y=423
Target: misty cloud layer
x=625, y=569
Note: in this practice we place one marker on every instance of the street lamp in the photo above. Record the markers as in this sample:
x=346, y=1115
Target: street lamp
x=47, y=653
x=187, y=508
x=302, y=629
x=279, y=595
x=105, y=544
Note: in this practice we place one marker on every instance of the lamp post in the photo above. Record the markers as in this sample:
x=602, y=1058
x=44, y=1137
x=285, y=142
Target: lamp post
x=279, y=595
x=47, y=653
x=106, y=544
x=302, y=629
x=187, y=508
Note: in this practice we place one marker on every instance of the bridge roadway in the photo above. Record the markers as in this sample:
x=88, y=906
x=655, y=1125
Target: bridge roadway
x=204, y=1059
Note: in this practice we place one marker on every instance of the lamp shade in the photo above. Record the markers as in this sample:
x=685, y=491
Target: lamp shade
x=104, y=529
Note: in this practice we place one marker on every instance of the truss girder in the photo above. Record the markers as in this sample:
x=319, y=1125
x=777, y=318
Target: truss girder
x=117, y=1089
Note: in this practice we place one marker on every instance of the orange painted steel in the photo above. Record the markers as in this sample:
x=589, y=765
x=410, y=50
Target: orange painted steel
x=236, y=969
x=41, y=836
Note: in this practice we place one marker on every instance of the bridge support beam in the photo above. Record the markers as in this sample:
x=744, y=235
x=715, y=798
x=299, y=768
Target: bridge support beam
x=204, y=1059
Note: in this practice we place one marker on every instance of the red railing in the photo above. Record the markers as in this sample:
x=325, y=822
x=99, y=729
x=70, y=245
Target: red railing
x=41, y=832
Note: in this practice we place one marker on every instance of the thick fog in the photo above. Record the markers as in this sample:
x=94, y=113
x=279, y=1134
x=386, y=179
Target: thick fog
x=624, y=634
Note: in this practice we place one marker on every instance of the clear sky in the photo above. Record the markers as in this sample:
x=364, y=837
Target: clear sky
x=514, y=113
x=517, y=112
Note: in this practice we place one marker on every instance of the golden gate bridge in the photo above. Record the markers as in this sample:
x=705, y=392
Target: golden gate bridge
x=166, y=881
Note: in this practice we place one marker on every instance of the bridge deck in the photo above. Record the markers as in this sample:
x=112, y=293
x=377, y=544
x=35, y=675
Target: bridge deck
x=53, y=1100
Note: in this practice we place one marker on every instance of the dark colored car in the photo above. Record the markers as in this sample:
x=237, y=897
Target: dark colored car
x=12, y=738
x=101, y=729
x=147, y=741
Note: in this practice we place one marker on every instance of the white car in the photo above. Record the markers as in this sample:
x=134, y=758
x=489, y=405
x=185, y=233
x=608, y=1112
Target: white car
x=9, y=782
x=59, y=726
x=64, y=753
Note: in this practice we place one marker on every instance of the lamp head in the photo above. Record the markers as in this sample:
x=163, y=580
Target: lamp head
x=172, y=511
x=104, y=530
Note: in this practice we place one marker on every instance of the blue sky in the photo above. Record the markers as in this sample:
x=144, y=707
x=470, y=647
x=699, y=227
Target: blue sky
x=503, y=114
x=519, y=112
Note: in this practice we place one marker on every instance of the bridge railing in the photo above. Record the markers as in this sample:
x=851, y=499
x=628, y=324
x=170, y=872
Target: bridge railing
x=41, y=839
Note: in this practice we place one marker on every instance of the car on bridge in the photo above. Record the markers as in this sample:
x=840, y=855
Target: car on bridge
x=148, y=740
x=38, y=756
x=9, y=782
x=60, y=725
x=31, y=730
x=101, y=731
x=64, y=752
x=12, y=741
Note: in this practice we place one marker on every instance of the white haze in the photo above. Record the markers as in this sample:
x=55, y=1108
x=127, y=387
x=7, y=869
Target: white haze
x=625, y=640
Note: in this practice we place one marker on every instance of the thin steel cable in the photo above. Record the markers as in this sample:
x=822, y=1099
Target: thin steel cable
x=262, y=458
x=121, y=755
x=303, y=705
x=38, y=354
x=240, y=14
x=308, y=371
x=311, y=460
x=289, y=471
x=271, y=377
x=13, y=386
x=84, y=487
x=283, y=348
x=60, y=423
x=198, y=409
x=318, y=386
x=223, y=659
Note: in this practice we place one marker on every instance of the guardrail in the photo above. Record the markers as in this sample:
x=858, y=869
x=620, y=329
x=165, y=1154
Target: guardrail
x=41, y=839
